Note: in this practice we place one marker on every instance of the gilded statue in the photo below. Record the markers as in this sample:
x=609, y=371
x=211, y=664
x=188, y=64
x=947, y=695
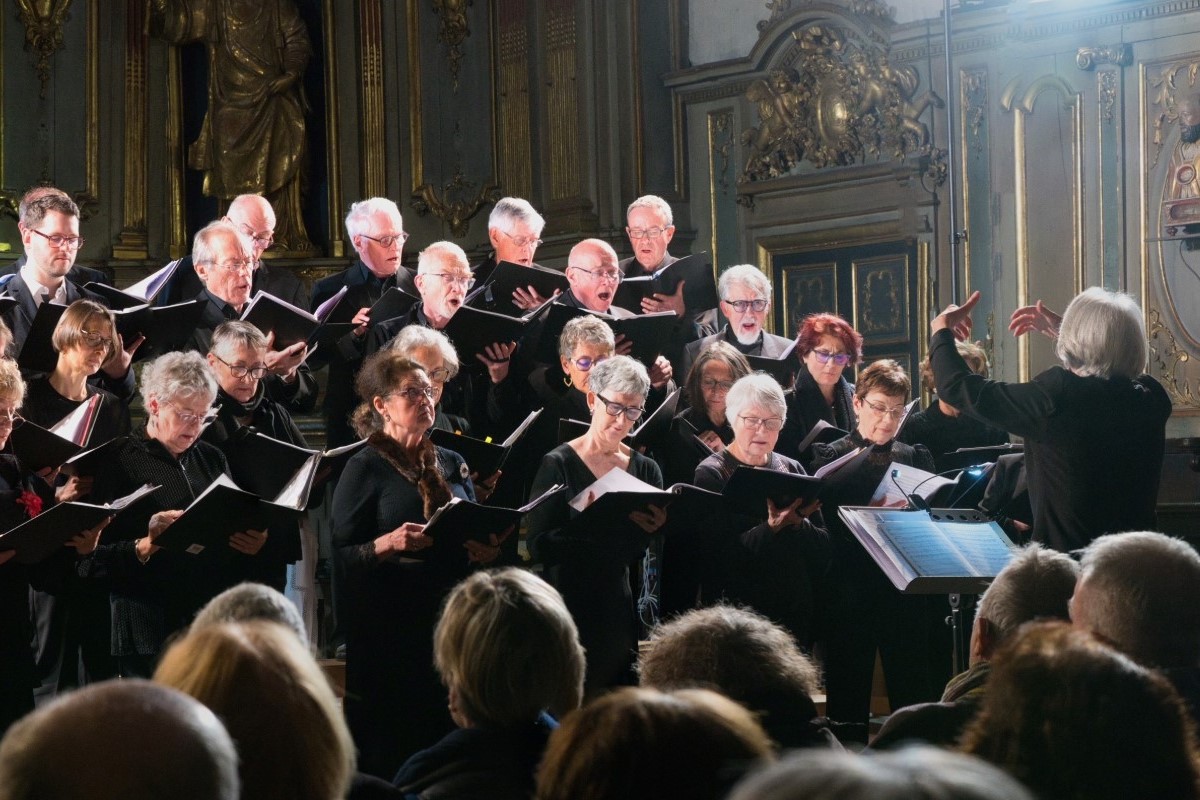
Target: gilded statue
x=252, y=140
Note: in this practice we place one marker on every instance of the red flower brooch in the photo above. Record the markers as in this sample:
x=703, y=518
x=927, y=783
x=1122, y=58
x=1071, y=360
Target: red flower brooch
x=32, y=503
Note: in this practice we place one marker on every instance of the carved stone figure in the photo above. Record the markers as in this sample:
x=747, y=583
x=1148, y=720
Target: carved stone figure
x=252, y=140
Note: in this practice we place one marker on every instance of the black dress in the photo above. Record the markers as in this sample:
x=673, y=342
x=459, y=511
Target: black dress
x=395, y=703
x=865, y=612
x=775, y=573
x=942, y=433
x=1093, y=446
x=591, y=572
x=806, y=405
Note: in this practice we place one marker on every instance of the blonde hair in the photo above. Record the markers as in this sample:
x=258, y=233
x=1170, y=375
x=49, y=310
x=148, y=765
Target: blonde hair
x=259, y=678
x=12, y=385
x=69, y=330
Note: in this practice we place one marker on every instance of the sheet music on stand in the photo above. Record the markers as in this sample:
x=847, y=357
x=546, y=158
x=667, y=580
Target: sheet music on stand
x=940, y=551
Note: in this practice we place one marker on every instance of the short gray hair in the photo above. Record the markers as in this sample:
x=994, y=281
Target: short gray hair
x=413, y=337
x=440, y=254
x=1144, y=589
x=251, y=601
x=654, y=203
x=205, y=244
x=358, y=219
x=173, y=375
x=755, y=389
x=620, y=374
x=585, y=330
x=921, y=772
x=746, y=275
x=1103, y=334
x=508, y=211
x=237, y=333
x=1036, y=584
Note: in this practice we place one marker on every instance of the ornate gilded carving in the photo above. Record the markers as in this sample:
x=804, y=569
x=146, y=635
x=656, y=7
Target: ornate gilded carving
x=456, y=205
x=1167, y=90
x=513, y=113
x=373, y=134
x=1106, y=86
x=453, y=32
x=43, y=21
x=778, y=9
x=132, y=240
x=1088, y=58
x=1167, y=357
x=975, y=99
x=721, y=145
x=563, y=100
x=840, y=102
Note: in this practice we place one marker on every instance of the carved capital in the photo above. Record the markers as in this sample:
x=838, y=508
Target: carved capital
x=1088, y=58
x=43, y=23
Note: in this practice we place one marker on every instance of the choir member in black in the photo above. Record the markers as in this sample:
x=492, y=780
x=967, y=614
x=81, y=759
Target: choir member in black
x=865, y=611
x=942, y=428
x=156, y=591
x=826, y=346
x=514, y=232
x=592, y=571
x=394, y=703
x=72, y=643
x=238, y=358
x=22, y=496
x=774, y=565
x=745, y=298
x=1093, y=428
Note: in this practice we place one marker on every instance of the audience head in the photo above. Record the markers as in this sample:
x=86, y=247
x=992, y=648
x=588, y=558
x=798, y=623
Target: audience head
x=224, y=262
x=1036, y=584
x=1140, y=592
x=12, y=394
x=914, y=773
x=584, y=342
x=84, y=337
x=827, y=345
x=237, y=355
x=262, y=682
x=507, y=650
x=178, y=390
x=1103, y=334
x=119, y=740
x=254, y=218
x=593, y=274
x=50, y=214
x=515, y=230
x=376, y=230
x=740, y=654
x=756, y=409
x=432, y=351
x=251, y=601
x=879, y=398
x=649, y=226
x=396, y=393
x=712, y=375
x=641, y=743
x=443, y=279
x=1070, y=717
x=745, y=300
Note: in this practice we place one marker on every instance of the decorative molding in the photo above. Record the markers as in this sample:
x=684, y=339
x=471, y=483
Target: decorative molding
x=453, y=31
x=333, y=151
x=1164, y=89
x=1088, y=58
x=43, y=21
x=132, y=242
x=720, y=145
x=515, y=165
x=1168, y=358
x=974, y=85
x=373, y=137
x=177, y=239
x=456, y=205
x=562, y=100
x=1106, y=90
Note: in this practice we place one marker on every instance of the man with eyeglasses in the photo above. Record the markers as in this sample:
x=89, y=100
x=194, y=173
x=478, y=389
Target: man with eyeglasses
x=514, y=231
x=745, y=300
x=254, y=218
x=223, y=259
x=79, y=274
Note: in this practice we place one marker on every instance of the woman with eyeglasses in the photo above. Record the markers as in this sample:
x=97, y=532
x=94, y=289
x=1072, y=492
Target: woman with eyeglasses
x=156, y=591
x=593, y=573
x=865, y=611
x=395, y=704
x=826, y=345
x=73, y=621
x=773, y=562
x=237, y=356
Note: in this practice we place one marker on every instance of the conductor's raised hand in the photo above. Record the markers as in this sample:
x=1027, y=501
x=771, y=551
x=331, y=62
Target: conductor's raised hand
x=408, y=538
x=1035, y=318
x=956, y=318
x=649, y=520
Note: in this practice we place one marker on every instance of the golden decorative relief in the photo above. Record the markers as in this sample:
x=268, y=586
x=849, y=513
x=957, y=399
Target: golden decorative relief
x=1106, y=86
x=43, y=21
x=1167, y=357
x=1166, y=84
x=975, y=97
x=721, y=144
x=840, y=102
x=456, y=205
x=1087, y=58
x=454, y=31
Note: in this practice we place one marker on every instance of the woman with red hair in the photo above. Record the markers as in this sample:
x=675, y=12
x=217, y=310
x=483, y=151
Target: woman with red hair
x=826, y=346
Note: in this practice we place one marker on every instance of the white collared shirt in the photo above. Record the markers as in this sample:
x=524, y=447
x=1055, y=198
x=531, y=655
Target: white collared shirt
x=41, y=293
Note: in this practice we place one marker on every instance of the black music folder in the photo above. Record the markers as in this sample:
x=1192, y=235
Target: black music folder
x=821, y=432
x=270, y=468
x=748, y=488
x=220, y=511
x=41, y=537
x=37, y=352
x=166, y=328
x=782, y=369
x=473, y=329
x=459, y=520
x=40, y=448
x=289, y=323
x=483, y=457
x=653, y=428
x=648, y=332
x=497, y=294
x=699, y=289
x=940, y=551
x=141, y=293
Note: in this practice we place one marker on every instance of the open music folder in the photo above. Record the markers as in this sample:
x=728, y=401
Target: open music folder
x=940, y=551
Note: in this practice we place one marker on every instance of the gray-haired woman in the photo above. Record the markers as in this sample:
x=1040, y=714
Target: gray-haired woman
x=774, y=561
x=156, y=592
x=592, y=573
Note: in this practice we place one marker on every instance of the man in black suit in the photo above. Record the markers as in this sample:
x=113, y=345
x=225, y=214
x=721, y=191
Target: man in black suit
x=79, y=274
x=254, y=218
x=745, y=300
x=514, y=231
x=376, y=230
